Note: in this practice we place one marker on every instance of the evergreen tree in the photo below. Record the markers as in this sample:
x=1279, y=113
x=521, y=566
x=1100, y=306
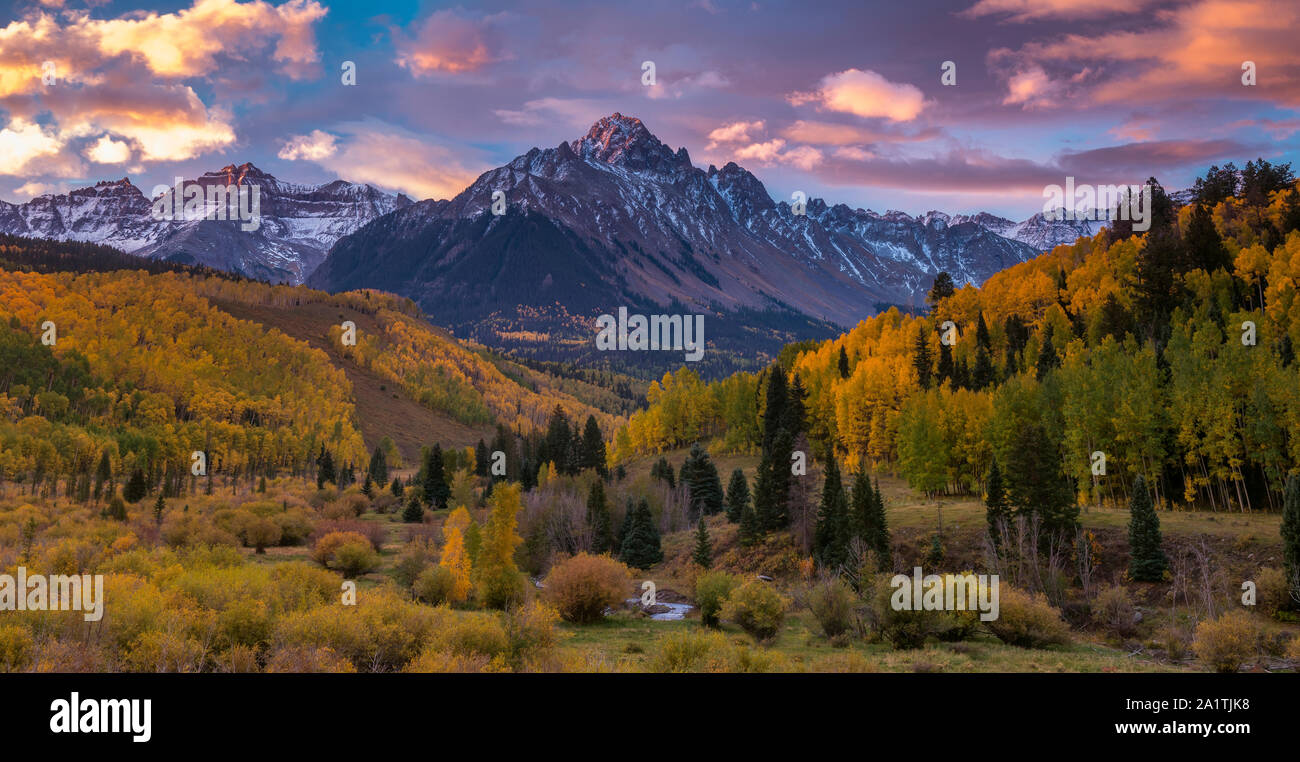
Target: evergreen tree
x=700, y=476
x=996, y=501
x=159, y=506
x=378, y=468
x=737, y=496
x=414, y=512
x=1205, y=248
x=324, y=469
x=396, y=487
x=261, y=485
x=136, y=487
x=843, y=363
x=1291, y=536
x=774, y=412
x=793, y=419
x=876, y=532
x=1036, y=482
x=103, y=474
x=117, y=508
x=555, y=448
x=641, y=548
x=921, y=359
x=662, y=469
x=1047, y=357
x=1147, y=562
x=436, y=490
x=942, y=289
x=481, y=459
x=593, y=448
x=772, y=499
x=751, y=530
x=983, y=374
x=703, y=554
x=946, y=371
x=598, y=519
x=830, y=538
x=368, y=487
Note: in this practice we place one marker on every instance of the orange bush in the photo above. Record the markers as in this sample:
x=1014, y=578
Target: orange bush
x=582, y=587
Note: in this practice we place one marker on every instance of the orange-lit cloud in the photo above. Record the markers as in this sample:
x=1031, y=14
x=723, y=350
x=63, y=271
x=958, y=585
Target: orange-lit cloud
x=451, y=42
x=1036, y=10
x=865, y=94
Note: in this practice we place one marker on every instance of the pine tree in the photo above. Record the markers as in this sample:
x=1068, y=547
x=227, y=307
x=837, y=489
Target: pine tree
x=662, y=469
x=136, y=487
x=876, y=532
x=1047, y=357
x=703, y=554
x=396, y=487
x=830, y=538
x=1147, y=561
x=737, y=496
x=921, y=359
x=1291, y=536
x=641, y=548
x=481, y=458
x=593, y=448
x=378, y=468
x=1205, y=248
x=982, y=375
x=772, y=498
x=103, y=474
x=1036, y=482
x=843, y=365
x=414, y=512
x=793, y=419
x=946, y=371
x=436, y=489
x=555, y=447
x=700, y=476
x=942, y=289
x=159, y=506
x=368, y=487
x=996, y=500
x=774, y=410
x=598, y=519
x=751, y=530
x=325, y=469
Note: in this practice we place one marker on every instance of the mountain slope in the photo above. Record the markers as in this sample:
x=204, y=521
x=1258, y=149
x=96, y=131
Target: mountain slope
x=617, y=218
x=298, y=223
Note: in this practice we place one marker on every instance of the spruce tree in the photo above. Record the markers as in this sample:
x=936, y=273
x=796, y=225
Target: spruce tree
x=414, y=512
x=751, y=530
x=396, y=487
x=776, y=506
x=436, y=490
x=737, y=496
x=325, y=469
x=946, y=371
x=136, y=487
x=598, y=519
x=921, y=359
x=159, y=506
x=1291, y=537
x=663, y=470
x=996, y=501
x=1036, y=482
x=1047, y=357
x=876, y=532
x=700, y=476
x=793, y=419
x=593, y=448
x=774, y=406
x=703, y=554
x=368, y=487
x=481, y=458
x=641, y=548
x=843, y=365
x=830, y=537
x=378, y=468
x=1147, y=561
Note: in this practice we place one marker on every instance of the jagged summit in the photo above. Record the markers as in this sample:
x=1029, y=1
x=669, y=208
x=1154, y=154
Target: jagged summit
x=625, y=141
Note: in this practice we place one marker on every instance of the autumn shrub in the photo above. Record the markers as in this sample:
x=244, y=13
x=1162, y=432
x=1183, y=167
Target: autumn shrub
x=414, y=559
x=433, y=661
x=302, y=659
x=356, y=503
x=757, y=608
x=325, y=548
x=16, y=648
x=191, y=530
x=472, y=633
x=501, y=587
x=1227, y=643
x=1113, y=610
x=373, y=531
x=709, y=651
x=245, y=622
x=165, y=651
x=832, y=602
x=711, y=591
x=1027, y=620
x=295, y=526
x=582, y=587
x=1272, y=593
x=901, y=628
x=532, y=635
x=434, y=585
x=262, y=533
x=354, y=558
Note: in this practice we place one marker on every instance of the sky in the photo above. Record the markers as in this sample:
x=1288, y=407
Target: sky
x=840, y=100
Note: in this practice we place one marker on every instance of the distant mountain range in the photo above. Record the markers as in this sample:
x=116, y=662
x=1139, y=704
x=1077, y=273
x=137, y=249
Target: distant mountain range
x=614, y=218
x=299, y=223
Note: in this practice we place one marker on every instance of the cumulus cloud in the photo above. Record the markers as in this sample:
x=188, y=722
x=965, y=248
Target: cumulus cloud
x=736, y=132
x=865, y=94
x=23, y=142
x=451, y=41
x=1030, y=87
x=312, y=147
x=106, y=150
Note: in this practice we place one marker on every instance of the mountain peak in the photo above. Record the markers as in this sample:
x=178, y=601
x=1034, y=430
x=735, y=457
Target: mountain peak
x=236, y=174
x=625, y=141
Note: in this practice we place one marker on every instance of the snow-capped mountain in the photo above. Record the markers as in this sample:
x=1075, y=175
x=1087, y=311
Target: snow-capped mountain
x=297, y=225
x=616, y=217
